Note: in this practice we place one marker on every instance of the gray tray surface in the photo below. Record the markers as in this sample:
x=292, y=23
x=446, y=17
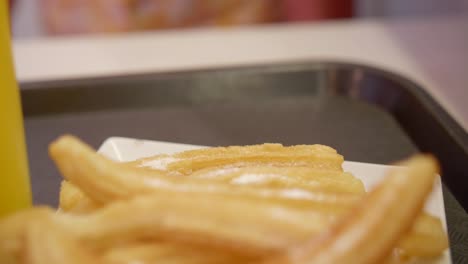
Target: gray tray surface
x=314, y=103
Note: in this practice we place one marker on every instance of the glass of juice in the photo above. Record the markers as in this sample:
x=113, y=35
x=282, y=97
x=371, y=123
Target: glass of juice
x=15, y=191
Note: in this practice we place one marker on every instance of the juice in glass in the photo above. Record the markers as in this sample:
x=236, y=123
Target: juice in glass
x=15, y=192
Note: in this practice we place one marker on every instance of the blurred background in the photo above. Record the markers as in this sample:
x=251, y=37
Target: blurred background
x=38, y=18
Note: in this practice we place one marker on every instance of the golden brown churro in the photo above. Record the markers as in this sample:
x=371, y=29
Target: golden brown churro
x=374, y=226
x=254, y=204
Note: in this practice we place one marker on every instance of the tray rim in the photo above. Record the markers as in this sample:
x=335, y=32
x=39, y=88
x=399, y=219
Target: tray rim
x=261, y=67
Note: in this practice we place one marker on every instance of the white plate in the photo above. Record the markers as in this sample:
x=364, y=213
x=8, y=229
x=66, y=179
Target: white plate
x=128, y=149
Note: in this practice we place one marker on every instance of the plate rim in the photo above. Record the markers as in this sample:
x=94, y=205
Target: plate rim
x=109, y=148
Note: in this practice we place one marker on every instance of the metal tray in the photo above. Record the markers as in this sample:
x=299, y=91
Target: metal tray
x=369, y=115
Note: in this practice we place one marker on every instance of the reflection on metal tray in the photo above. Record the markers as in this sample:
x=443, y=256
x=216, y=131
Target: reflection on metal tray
x=367, y=114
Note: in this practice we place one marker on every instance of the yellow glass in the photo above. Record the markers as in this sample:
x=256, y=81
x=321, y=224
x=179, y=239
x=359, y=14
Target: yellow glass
x=15, y=192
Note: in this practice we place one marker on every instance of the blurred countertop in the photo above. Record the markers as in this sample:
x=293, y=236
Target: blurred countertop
x=432, y=52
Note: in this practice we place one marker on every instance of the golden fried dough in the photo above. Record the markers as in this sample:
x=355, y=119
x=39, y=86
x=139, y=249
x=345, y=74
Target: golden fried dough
x=243, y=204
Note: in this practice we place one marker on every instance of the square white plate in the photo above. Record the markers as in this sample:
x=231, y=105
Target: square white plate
x=128, y=149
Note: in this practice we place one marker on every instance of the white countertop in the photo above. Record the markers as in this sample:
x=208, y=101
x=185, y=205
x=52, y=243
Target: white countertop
x=432, y=52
